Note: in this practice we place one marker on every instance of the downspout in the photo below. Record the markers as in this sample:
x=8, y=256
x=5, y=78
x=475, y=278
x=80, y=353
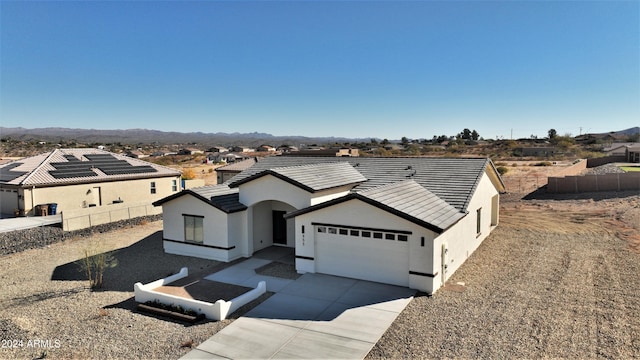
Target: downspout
x=33, y=187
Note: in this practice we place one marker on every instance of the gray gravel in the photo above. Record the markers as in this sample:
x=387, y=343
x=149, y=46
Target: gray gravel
x=43, y=296
x=603, y=169
x=558, y=288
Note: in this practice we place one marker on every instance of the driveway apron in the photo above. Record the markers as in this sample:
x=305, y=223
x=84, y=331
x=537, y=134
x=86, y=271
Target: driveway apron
x=316, y=316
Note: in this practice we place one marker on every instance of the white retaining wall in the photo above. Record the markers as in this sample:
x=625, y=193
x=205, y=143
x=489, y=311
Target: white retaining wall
x=214, y=311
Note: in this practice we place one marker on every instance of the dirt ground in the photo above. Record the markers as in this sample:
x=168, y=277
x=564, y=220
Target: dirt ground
x=558, y=278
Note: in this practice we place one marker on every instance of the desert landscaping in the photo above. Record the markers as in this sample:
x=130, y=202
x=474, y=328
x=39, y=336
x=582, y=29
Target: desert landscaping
x=557, y=278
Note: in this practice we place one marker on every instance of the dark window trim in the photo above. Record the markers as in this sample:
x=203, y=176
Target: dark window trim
x=198, y=216
x=200, y=244
x=304, y=257
x=364, y=228
x=423, y=274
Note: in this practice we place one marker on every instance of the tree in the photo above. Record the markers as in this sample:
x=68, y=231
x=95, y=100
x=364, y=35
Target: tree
x=465, y=134
x=384, y=142
x=474, y=135
x=552, y=134
x=404, y=140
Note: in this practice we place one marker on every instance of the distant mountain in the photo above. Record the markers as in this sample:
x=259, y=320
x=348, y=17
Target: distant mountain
x=627, y=132
x=145, y=136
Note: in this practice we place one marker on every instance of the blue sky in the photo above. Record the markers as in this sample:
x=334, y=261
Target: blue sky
x=336, y=68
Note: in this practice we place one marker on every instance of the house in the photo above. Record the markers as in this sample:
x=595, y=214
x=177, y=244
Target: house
x=218, y=149
x=78, y=178
x=338, y=152
x=240, y=149
x=618, y=149
x=536, y=151
x=266, y=148
x=403, y=221
x=633, y=153
x=137, y=154
x=190, y=151
x=224, y=173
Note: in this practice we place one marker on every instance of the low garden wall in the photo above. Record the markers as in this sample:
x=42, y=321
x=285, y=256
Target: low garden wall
x=214, y=311
x=594, y=183
x=595, y=162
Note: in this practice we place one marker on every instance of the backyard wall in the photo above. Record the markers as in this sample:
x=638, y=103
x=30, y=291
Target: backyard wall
x=595, y=162
x=87, y=217
x=591, y=183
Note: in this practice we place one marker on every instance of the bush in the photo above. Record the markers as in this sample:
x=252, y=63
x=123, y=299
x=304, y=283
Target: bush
x=502, y=170
x=543, y=163
x=501, y=164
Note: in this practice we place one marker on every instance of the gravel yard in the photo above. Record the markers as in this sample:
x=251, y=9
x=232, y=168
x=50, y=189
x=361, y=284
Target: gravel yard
x=45, y=304
x=556, y=279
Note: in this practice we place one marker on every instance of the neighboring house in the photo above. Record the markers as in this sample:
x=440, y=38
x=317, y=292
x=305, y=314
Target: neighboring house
x=77, y=178
x=537, y=151
x=137, y=154
x=241, y=149
x=633, y=153
x=339, y=152
x=218, y=149
x=266, y=148
x=224, y=173
x=190, y=151
x=403, y=221
x=618, y=149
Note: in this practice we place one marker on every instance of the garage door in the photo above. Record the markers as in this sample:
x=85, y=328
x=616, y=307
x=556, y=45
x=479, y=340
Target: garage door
x=8, y=200
x=363, y=254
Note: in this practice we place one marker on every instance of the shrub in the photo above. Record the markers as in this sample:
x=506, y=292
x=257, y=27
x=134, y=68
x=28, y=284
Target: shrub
x=501, y=164
x=502, y=170
x=514, y=165
x=543, y=163
x=188, y=174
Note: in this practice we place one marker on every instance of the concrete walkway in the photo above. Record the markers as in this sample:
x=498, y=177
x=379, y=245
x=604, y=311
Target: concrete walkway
x=314, y=317
x=21, y=223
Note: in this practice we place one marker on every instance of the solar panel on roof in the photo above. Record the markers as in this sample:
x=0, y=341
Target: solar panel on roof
x=6, y=173
x=108, y=164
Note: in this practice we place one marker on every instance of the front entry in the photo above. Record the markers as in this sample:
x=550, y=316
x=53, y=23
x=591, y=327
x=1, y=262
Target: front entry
x=279, y=227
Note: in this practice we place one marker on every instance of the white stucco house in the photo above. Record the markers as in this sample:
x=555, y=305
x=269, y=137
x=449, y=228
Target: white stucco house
x=403, y=221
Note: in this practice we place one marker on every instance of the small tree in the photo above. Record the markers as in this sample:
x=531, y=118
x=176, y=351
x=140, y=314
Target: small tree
x=552, y=134
x=188, y=174
x=94, y=262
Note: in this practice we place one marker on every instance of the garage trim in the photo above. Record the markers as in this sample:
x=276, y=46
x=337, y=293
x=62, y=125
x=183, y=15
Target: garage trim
x=404, y=232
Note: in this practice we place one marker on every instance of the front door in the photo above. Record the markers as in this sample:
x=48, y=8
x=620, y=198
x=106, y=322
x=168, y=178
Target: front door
x=279, y=227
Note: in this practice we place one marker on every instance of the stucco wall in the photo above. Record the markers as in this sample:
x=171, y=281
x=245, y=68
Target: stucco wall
x=590, y=183
x=87, y=217
x=70, y=197
x=215, y=227
x=462, y=239
x=271, y=188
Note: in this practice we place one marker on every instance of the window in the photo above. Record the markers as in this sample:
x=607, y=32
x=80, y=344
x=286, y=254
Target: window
x=354, y=233
x=322, y=229
x=174, y=185
x=343, y=231
x=402, y=238
x=153, y=187
x=332, y=230
x=478, y=221
x=377, y=235
x=390, y=236
x=193, y=230
x=366, y=234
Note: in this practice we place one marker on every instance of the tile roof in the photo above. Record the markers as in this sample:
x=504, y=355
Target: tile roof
x=45, y=169
x=312, y=177
x=452, y=179
x=410, y=198
x=219, y=196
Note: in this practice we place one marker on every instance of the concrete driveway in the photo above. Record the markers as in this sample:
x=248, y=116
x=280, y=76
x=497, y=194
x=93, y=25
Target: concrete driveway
x=316, y=316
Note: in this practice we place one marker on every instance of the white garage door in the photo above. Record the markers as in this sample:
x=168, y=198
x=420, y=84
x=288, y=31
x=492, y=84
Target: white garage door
x=363, y=254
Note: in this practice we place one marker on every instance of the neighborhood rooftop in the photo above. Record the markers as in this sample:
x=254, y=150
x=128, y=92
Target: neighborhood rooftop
x=70, y=166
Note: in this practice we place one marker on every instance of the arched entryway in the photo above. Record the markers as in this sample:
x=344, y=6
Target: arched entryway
x=268, y=226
